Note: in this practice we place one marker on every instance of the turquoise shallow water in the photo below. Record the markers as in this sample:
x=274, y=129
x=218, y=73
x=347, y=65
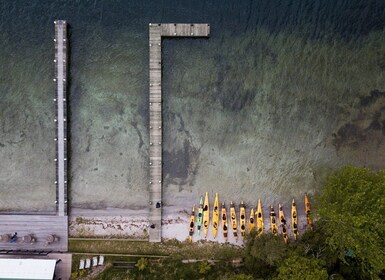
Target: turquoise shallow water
x=280, y=94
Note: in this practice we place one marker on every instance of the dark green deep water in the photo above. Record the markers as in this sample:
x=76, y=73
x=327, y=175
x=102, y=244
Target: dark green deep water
x=280, y=94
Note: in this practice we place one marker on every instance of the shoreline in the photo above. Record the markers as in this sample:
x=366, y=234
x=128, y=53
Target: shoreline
x=133, y=224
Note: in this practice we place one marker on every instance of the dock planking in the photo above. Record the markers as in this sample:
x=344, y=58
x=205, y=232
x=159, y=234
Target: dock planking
x=185, y=30
x=156, y=32
x=61, y=115
x=40, y=227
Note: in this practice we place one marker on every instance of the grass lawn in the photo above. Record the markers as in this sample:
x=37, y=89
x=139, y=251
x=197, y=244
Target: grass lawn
x=172, y=248
x=163, y=260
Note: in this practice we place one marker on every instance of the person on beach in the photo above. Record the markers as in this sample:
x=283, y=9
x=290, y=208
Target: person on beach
x=13, y=238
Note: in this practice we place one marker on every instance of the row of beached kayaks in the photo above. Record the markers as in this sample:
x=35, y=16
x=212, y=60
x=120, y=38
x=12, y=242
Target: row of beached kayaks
x=254, y=221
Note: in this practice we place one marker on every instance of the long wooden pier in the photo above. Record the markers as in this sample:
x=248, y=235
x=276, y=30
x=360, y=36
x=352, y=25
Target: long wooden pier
x=156, y=32
x=61, y=115
x=43, y=233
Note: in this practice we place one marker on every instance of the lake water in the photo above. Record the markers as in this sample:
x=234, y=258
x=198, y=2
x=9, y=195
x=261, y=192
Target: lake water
x=281, y=93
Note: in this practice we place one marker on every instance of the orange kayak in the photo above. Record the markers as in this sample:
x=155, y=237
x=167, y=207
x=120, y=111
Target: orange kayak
x=308, y=212
x=294, y=219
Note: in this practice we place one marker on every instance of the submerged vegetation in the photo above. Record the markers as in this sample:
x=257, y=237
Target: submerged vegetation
x=288, y=99
x=346, y=243
x=295, y=104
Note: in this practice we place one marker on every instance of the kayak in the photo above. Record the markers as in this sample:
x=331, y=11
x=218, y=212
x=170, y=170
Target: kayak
x=192, y=220
x=224, y=221
x=308, y=212
x=251, y=220
x=242, y=219
x=273, y=221
x=216, y=215
x=233, y=219
x=259, y=217
x=283, y=225
x=206, y=215
x=294, y=219
x=200, y=216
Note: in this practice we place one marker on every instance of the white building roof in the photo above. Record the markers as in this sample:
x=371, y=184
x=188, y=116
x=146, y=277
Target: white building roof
x=27, y=269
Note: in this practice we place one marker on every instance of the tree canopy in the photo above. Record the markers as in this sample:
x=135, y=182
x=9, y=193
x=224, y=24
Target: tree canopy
x=351, y=213
x=299, y=267
x=263, y=254
x=348, y=241
x=141, y=264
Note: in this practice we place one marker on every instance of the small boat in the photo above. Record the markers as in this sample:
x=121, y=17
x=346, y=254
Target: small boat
x=273, y=220
x=251, y=220
x=242, y=219
x=233, y=219
x=259, y=216
x=308, y=212
x=294, y=219
x=206, y=215
x=216, y=215
x=224, y=221
x=192, y=220
x=200, y=216
x=282, y=221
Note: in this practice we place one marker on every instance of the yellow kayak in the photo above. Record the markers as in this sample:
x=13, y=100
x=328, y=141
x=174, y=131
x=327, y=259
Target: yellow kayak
x=251, y=220
x=259, y=217
x=192, y=220
x=206, y=215
x=294, y=219
x=282, y=221
x=224, y=221
x=242, y=219
x=273, y=220
x=233, y=219
x=200, y=216
x=216, y=215
x=308, y=212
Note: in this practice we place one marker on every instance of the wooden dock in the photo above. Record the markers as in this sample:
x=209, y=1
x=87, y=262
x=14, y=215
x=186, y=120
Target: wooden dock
x=46, y=233
x=61, y=115
x=156, y=32
x=37, y=231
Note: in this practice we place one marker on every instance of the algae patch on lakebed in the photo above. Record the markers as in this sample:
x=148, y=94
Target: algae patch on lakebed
x=255, y=114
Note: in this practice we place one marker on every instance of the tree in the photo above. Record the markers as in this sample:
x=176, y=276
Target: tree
x=204, y=267
x=313, y=245
x=305, y=268
x=351, y=209
x=262, y=254
x=141, y=264
x=239, y=277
